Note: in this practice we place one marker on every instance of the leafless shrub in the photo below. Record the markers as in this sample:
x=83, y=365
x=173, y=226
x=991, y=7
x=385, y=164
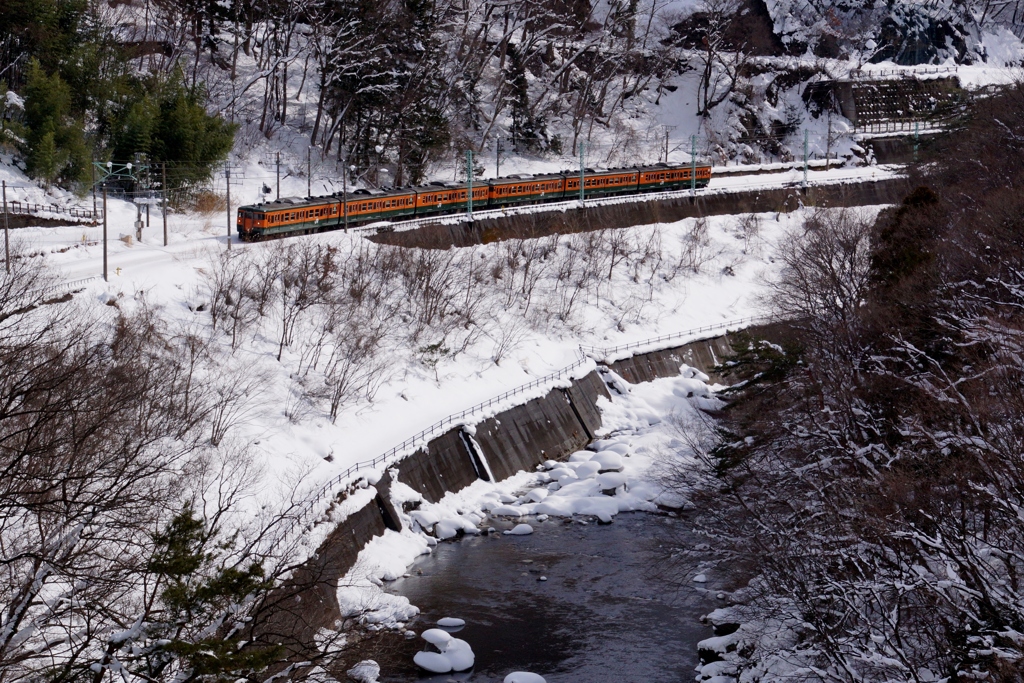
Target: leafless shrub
x=748, y=228
x=695, y=250
x=825, y=267
x=234, y=295
x=507, y=336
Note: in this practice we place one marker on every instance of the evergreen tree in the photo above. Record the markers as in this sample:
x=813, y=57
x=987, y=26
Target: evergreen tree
x=55, y=143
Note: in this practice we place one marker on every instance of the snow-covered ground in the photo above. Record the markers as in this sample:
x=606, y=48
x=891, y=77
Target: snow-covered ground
x=299, y=441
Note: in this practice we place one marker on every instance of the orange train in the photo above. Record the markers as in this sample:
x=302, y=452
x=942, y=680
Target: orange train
x=298, y=216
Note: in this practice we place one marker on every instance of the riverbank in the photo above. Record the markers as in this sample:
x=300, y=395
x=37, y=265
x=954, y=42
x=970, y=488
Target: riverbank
x=599, y=601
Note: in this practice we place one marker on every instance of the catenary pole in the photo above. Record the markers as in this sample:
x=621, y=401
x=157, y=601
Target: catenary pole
x=7, y=232
x=105, y=278
x=309, y=171
x=805, y=158
x=227, y=177
x=583, y=150
x=693, y=164
x=278, y=176
x=469, y=184
x=163, y=187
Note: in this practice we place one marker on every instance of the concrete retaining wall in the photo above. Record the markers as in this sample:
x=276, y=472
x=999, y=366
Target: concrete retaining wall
x=703, y=354
x=521, y=438
x=445, y=465
x=889, y=191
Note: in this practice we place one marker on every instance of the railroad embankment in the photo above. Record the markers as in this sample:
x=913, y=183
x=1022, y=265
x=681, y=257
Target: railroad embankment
x=646, y=212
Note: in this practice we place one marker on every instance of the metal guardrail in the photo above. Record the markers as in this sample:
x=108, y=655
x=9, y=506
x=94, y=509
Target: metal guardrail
x=28, y=209
x=599, y=352
x=905, y=73
x=64, y=287
x=586, y=354
x=413, y=441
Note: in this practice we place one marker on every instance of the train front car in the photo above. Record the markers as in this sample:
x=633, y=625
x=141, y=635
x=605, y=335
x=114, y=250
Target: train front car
x=288, y=216
x=251, y=221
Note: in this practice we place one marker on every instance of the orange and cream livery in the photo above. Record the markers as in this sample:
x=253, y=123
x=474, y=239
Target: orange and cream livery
x=299, y=216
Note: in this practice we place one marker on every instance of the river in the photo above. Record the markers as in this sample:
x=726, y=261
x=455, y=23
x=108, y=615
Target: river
x=608, y=611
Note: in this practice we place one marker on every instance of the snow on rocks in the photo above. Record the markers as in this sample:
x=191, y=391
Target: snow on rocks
x=524, y=677
x=451, y=622
x=437, y=637
x=453, y=654
x=520, y=530
x=365, y=671
x=608, y=461
x=434, y=662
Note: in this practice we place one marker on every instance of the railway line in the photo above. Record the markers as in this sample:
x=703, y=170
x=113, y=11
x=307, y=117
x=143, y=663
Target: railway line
x=722, y=184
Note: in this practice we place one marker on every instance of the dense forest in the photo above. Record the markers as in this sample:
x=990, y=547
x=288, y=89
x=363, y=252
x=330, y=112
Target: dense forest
x=408, y=84
x=871, y=468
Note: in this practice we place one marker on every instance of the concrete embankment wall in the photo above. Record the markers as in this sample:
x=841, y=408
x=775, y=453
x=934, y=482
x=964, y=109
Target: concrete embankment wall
x=628, y=214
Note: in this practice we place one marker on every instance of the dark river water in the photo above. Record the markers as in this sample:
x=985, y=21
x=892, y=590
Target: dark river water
x=608, y=611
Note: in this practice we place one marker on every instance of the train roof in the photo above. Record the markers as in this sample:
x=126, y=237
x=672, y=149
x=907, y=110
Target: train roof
x=523, y=177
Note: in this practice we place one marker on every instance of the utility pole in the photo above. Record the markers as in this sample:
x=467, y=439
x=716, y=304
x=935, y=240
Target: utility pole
x=227, y=176
x=278, y=175
x=805, y=158
x=497, y=156
x=105, y=278
x=94, y=188
x=666, y=145
x=693, y=164
x=583, y=151
x=309, y=171
x=163, y=187
x=469, y=184
x=7, y=232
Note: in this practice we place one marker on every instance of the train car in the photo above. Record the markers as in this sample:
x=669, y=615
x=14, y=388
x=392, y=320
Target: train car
x=601, y=183
x=526, y=189
x=449, y=197
x=288, y=216
x=662, y=177
x=366, y=206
